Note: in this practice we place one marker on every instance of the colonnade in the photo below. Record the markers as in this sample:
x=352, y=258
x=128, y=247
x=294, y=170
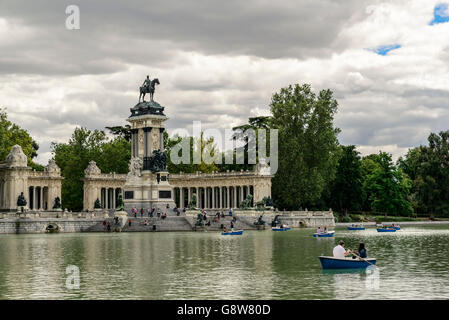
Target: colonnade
x=38, y=198
x=109, y=196
x=213, y=197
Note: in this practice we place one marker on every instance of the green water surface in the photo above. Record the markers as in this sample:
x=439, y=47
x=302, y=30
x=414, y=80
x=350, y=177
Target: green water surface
x=412, y=264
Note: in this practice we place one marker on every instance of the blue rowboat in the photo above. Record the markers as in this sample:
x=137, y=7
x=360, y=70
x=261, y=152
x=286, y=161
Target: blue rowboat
x=280, y=229
x=232, y=233
x=356, y=228
x=386, y=230
x=324, y=234
x=397, y=228
x=345, y=263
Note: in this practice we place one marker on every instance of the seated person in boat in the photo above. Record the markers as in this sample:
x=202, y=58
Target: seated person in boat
x=318, y=230
x=225, y=229
x=339, y=251
x=361, y=252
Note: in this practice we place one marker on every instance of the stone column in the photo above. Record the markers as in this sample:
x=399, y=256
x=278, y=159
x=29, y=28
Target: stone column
x=107, y=198
x=149, y=141
x=112, y=199
x=35, y=199
x=181, y=197
x=235, y=197
x=220, y=195
x=42, y=199
x=188, y=196
x=197, y=198
x=161, y=136
x=228, y=202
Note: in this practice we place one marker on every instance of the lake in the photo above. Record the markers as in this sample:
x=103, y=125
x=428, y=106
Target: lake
x=412, y=264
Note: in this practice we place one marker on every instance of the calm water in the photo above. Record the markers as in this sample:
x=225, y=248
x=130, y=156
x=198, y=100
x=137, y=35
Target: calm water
x=413, y=264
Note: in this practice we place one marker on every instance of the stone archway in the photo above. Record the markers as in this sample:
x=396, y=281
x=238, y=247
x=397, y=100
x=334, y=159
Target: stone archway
x=52, y=228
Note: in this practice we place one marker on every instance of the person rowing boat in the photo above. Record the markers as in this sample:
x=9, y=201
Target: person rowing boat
x=339, y=251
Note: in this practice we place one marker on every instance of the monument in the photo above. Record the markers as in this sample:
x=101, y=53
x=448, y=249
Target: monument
x=147, y=184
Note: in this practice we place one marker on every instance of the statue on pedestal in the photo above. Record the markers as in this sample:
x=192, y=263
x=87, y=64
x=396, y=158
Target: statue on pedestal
x=57, y=204
x=158, y=161
x=97, y=204
x=21, y=201
x=120, y=206
x=148, y=86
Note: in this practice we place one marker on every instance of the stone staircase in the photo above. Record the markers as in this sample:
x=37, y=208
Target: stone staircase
x=242, y=223
x=171, y=223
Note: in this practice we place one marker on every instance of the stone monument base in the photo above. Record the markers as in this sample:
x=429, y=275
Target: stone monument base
x=148, y=191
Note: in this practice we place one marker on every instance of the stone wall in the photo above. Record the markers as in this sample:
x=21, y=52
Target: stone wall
x=295, y=219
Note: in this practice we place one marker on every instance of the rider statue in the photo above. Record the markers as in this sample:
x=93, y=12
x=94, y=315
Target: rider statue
x=147, y=83
x=148, y=86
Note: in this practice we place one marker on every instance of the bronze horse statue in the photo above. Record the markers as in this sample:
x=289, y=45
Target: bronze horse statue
x=148, y=89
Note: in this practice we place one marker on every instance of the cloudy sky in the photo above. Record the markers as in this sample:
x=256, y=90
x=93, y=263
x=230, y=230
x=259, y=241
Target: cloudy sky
x=220, y=61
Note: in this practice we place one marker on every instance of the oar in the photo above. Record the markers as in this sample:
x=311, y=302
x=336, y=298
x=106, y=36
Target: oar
x=362, y=258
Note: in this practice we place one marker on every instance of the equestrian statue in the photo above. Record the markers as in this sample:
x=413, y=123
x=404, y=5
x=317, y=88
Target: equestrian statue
x=148, y=86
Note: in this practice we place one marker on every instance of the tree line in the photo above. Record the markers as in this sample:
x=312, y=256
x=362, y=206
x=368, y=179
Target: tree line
x=315, y=171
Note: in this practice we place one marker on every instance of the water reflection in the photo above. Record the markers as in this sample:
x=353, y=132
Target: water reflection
x=257, y=265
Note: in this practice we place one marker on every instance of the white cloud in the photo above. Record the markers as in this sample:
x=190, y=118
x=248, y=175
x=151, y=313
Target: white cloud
x=387, y=102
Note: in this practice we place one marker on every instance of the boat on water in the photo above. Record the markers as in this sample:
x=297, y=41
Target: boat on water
x=382, y=226
x=345, y=263
x=232, y=233
x=327, y=234
x=386, y=230
x=356, y=227
x=280, y=228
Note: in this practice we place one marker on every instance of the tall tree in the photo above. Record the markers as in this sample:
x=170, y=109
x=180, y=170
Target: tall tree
x=121, y=131
x=387, y=188
x=11, y=134
x=308, y=144
x=73, y=157
x=347, y=188
x=206, y=145
x=432, y=180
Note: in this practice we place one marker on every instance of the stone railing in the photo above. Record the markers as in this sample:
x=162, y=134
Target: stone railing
x=213, y=174
x=107, y=176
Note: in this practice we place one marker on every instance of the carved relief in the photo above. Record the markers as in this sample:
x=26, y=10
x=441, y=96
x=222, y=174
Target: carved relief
x=135, y=167
x=154, y=139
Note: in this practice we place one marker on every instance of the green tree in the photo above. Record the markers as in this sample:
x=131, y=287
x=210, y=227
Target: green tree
x=347, y=187
x=121, y=131
x=308, y=145
x=432, y=179
x=254, y=124
x=206, y=145
x=387, y=188
x=73, y=157
x=11, y=134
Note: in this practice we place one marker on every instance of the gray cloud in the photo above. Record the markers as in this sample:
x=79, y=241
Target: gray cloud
x=218, y=62
x=114, y=34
